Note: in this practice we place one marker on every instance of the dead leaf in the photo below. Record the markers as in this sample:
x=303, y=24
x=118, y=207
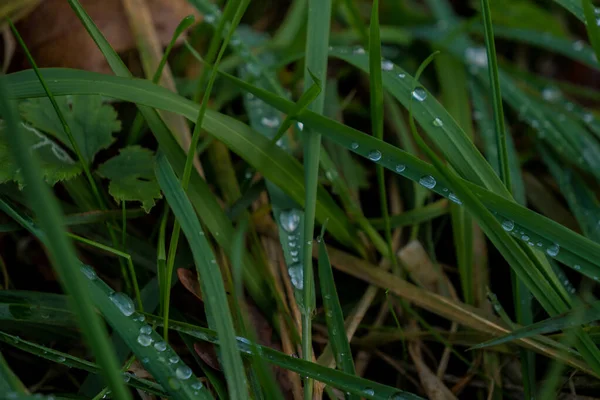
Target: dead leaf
x=434, y=387
x=57, y=38
x=189, y=280
x=207, y=353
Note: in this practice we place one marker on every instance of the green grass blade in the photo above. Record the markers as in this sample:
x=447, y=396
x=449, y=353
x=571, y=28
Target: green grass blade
x=333, y=312
x=591, y=25
x=496, y=94
x=376, y=104
x=60, y=249
x=574, y=249
x=317, y=43
x=210, y=277
x=9, y=382
x=573, y=319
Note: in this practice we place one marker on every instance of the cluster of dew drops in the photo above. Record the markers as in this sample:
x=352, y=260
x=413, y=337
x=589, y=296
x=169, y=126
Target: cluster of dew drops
x=290, y=222
x=145, y=339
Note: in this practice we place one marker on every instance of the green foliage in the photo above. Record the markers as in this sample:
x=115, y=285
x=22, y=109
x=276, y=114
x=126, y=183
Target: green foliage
x=91, y=120
x=131, y=175
x=56, y=164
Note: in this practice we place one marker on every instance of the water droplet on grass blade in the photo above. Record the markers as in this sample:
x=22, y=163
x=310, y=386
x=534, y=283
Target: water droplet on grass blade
x=438, y=122
x=146, y=329
x=508, y=225
x=123, y=303
x=400, y=167
x=270, y=122
x=419, y=94
x=387, y=65
x=289, y=220
x=160, y=346
x=197, y=385
x=296, y=276
x=174, y=359
x=553, y=250
x=428, y=181
x=374, y=155
x=369, y=392
x=354, y=145
x=183, y=372
x=89, y=272
x=453, y=198
x=144, y=340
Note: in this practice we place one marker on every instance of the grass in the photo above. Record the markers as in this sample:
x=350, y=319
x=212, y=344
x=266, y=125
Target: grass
x=426, y=185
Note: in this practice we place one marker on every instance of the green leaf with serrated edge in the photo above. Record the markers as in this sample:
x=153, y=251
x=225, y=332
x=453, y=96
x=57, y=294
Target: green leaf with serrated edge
x=56, y=164
x=131, y=175
x=91, y=121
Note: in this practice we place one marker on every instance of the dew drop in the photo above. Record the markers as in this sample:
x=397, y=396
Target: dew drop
x=145, y=360
x=578, y=45
x=354, y=145
x=126, y=377
x=553, y=250
x=296, y=276
x=525, y=237
x=89, y=272
x=294, y=253
x=197, y=385
x=387, y=65
x=374, y=155
x=123, y=303
x=508, y=225
x=359, y=50
x=400, y=167
x=369, y=392
x=401, y=75
x=550, y=94
x=476, y=56
x=146, y=329
x=453, y=198
x=419, y=94
x=144, y=340
x=428, y=181
x=160, y=346
x=209, y=18
x=577, y=267
x=289, y=220
x=61, y=359
x=183, y=372
x=270, y=122
x=174, y=359
x=300, y=126
x=438, y=122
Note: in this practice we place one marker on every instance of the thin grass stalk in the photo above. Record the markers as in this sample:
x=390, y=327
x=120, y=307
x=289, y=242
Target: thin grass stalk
x=317, y=44
x=60, y=249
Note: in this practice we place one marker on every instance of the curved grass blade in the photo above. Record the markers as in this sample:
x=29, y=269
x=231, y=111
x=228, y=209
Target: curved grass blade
x=10, y=384
x=574, y=249
x=210, y=277
x=333, y=312
x=75, y=362
x=496, y=94
x=60, y=249
x=561, y=322
x=317, y=44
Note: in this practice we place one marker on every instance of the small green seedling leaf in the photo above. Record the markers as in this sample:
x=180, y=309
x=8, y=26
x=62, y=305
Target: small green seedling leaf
x=131, y=176
x=92, y=122
x=56, y=164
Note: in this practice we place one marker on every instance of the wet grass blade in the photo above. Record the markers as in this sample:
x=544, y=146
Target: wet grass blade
x=333, y=313
x=317, y=44
x=376, y=104
x=561, y=322
x=574, y=249
x=60, y=249
x=210, y=277
x=496, y=94
x=591, y=25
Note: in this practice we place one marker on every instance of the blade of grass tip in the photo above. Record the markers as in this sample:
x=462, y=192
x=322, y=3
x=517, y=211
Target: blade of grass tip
x=61, y=251
x=562, y=322
x=84, y=163
x=591, y=25
x=187, y=169
x=376, y=91
x=209, y=275
x=317, y=45
x=213, y=48
x=137, y=125
x=496, y=95
x=333, y=312
x=303, y=102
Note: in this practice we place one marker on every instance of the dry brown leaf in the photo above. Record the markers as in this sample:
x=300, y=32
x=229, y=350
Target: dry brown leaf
x=434, y=387
x=189, y=280
x=57, y=38
x=206, y=351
